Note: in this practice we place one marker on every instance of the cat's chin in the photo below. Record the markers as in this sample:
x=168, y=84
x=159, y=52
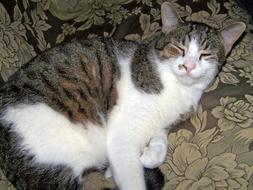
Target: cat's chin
x=189, y=79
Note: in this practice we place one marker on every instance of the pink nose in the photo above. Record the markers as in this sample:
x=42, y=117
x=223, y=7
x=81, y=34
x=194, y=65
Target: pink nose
x=190, y=65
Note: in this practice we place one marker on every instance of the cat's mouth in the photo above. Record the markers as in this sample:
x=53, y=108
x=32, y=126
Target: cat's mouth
x=189, y=74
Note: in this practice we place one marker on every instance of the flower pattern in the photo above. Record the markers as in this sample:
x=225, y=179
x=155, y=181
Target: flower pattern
x=213, y=149
x=233, y=113
x=15, y=50
x=191, y=166
x=199, y=172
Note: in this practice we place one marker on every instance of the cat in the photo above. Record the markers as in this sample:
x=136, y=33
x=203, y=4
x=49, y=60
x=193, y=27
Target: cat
x=98, y=103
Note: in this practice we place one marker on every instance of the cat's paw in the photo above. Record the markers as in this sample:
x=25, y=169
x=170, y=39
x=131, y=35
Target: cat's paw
x=152, y=159
x=155, y=154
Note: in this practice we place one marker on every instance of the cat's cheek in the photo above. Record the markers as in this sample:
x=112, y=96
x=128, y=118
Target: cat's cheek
x=210, y=69
x=197, y=73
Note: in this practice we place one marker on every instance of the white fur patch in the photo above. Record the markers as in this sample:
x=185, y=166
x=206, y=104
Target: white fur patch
x=193, y=49
x=53, y=139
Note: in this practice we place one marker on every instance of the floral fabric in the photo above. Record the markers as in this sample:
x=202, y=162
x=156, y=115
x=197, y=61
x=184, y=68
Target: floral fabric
x=212, y=150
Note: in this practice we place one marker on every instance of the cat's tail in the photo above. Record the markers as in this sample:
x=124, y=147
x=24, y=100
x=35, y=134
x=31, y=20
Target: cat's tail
x=154, y=179
x=25, y=175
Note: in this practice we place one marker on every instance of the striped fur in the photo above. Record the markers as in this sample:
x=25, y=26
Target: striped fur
x=77, y=79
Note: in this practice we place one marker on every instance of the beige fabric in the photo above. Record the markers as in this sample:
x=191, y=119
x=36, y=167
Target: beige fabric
x=213, y=150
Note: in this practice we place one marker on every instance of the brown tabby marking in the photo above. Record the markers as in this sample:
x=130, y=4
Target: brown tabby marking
x=76, y=79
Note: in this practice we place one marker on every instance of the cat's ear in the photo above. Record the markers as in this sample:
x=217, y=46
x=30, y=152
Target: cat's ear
x=231, y=34
x=170, y=18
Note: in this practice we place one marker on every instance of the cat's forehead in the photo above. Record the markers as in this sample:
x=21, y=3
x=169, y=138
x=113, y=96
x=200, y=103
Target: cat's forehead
x=193, y=47
x=201, y=33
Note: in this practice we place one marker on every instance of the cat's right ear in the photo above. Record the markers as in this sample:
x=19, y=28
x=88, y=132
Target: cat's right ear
x=170, y=19
x=231, y=33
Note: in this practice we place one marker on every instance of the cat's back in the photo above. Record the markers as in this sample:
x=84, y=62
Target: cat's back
x=77, y=78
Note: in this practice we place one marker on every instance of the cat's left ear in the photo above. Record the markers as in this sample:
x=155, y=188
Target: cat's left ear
x=170, y=19
x=231, y=34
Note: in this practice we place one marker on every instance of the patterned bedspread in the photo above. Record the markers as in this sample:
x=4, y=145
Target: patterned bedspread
x=212, y=150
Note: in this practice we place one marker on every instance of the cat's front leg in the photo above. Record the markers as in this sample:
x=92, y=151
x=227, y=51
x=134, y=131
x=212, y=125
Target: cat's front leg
x=124, y=150
x=155, y=153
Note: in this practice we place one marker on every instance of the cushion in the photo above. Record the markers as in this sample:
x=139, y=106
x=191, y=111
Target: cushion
x=211, y=150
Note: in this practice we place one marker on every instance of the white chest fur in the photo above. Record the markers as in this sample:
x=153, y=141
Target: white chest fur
x=174, y=99
x=150, y=113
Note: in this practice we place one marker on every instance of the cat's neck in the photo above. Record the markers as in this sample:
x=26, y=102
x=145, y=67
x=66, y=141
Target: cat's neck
x=176, y=99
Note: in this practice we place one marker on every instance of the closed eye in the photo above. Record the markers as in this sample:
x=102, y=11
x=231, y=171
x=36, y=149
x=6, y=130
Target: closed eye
x=181, y=50
x=205, y=56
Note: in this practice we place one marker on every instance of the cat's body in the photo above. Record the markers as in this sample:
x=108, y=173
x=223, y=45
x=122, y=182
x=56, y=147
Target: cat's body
x=72, y=131
x=87, y=103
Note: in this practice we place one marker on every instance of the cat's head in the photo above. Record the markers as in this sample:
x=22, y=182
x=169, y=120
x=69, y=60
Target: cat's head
x=193, y=51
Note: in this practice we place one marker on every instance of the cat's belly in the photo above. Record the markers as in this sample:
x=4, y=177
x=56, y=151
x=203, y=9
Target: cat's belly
x=53, y=139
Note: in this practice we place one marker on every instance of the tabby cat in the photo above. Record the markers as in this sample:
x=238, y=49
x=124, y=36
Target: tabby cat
x=106, y=103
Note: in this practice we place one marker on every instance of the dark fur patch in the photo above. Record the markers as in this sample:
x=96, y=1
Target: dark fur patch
x=144, y=73
x=154, y=179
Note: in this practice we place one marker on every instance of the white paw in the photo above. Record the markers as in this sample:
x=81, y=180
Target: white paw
x=155, y=154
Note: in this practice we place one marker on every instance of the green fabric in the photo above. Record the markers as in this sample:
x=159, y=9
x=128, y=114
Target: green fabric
x=214, y=149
